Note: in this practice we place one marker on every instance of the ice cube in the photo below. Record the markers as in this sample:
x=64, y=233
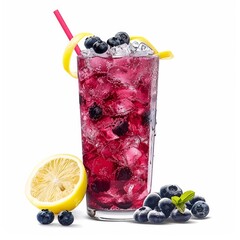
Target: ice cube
x=143, y=50
x=132, y=155
x=130, y=141
x=121, y=107
x=120, y=51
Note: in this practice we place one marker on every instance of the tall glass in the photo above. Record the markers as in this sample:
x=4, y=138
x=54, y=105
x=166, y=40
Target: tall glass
x=118, y=99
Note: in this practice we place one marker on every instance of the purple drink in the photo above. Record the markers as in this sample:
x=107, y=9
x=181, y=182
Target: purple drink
x=118, y=116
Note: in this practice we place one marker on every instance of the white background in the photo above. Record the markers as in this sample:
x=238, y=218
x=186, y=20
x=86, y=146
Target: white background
x=196, y=123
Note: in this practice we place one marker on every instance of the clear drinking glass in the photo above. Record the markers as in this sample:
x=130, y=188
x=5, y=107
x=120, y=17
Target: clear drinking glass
x=118, y=99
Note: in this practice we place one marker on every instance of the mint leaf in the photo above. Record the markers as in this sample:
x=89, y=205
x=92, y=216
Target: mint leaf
x=186, y=196
x=175, y=200
x=181, y=207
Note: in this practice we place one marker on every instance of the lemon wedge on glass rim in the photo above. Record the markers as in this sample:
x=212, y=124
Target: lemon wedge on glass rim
x=76, y=39
x=57, y=183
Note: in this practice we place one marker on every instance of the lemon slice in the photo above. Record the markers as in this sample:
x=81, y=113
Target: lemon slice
x=57, y=183
x=69, y=50
x=162, y=55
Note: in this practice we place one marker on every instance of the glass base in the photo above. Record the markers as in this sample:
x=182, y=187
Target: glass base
x=114, y=215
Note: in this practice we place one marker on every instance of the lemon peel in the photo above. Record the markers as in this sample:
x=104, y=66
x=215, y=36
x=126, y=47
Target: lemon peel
x=161, y=55
x=69, y=50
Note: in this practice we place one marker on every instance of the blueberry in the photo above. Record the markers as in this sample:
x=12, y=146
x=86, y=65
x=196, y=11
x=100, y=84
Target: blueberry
x=100, y=185
x=121, y=128
x=190, y=203
x=45, y=216
x=151, y=200
x=200, y=209
x=113, y=42
x=100, y=47
x=95, y=112
x=89, y=41
x=123, y=173
x=65, y=218
x=146, y=118
x=168, y=191
x=166, y=206
x=156, y=217
x=123, y=37
x=157, y=209
x=197, y=198
x=140, y=215
x=181, y=217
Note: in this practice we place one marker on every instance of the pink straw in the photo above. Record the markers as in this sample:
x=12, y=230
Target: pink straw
x=66, y=29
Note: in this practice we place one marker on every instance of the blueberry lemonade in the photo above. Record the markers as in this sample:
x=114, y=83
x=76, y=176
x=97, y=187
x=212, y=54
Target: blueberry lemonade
x=117, y=97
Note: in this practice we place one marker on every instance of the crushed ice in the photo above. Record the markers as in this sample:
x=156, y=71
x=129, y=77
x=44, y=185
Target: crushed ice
x=132, y=49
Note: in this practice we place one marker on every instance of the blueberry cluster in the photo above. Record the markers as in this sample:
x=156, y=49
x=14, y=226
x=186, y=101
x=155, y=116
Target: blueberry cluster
x=100, y=46
x=157, y=207
x=46, y=216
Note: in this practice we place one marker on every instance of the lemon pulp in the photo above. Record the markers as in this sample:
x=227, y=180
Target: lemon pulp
x=58, y=183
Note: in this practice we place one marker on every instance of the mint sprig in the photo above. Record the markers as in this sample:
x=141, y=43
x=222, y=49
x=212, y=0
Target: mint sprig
x=180, y=202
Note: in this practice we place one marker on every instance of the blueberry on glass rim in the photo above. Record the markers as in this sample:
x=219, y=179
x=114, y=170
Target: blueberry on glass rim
x=113, y=42
x=123, y=37
x=89, y=41
x=100, y=47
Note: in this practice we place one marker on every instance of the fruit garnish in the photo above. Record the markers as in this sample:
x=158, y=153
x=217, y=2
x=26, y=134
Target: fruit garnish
x=100, y=47
x=180, y=202
x=69, y=50
x=113, y=42
x=57, y=183
x=89, y=41
x=123, y=37
x=162, y=55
